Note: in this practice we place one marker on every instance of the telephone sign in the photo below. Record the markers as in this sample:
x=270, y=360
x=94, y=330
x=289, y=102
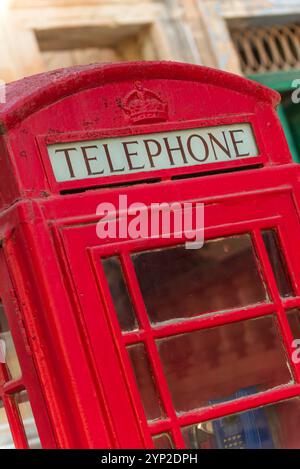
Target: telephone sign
x=150, y=152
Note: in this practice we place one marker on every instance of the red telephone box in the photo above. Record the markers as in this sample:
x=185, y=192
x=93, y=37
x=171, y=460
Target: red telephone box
x=142, y=343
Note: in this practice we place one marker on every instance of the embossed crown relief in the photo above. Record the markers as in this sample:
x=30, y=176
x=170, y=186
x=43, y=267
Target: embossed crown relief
x=142, y=105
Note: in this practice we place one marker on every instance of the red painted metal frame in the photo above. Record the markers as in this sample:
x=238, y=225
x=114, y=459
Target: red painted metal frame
x=28, y=380
x=46, y=105
x=36, y=92
x=86, y=237
x=72, y=351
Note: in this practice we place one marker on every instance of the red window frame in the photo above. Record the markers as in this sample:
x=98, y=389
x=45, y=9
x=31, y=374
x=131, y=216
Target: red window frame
x=8, y=388
x=28, y=380
x=275, y=210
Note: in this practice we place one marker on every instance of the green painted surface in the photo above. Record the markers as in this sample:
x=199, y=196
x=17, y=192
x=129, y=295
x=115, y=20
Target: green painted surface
x=279, y=81
x=288, y=112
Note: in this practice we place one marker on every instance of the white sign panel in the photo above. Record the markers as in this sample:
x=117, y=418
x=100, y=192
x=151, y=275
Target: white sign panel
x=150, y=152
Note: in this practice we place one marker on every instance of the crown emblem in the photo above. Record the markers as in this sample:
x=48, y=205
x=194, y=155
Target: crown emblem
x=143, y=105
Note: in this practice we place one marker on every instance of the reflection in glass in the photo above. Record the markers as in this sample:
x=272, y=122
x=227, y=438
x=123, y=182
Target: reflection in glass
x=7, y=349
x=6, y=439
x=211, y=365
x=145, y=381
x=278, y=263
x=163, y=441
x=119, y=293
x=27, y=418
x=178, y=283
x=266, y=427
x=293, y=316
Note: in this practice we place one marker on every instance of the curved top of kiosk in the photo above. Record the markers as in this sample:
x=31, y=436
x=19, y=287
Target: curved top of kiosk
x=29, y=95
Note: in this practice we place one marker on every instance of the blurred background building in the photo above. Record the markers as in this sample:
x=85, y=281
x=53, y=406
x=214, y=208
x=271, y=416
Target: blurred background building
x=257, y=38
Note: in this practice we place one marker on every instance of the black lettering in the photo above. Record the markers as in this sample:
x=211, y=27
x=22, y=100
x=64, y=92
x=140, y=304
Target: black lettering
x=68, y=160
x=129, y=155
x=87, y=160
x=179, y=148
x=236, y=142
x=149, y=153
x=213, y=140
x=205, y=146
x=109, y=160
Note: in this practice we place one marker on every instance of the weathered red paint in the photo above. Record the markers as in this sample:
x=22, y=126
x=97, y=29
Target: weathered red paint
x=70, y=346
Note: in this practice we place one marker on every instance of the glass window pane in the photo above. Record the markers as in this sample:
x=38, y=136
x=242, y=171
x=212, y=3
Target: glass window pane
x=6, y=439
x=113, y=271
x=145, y=381
x=163, y=441
x=179, y=283
x=293, y=316
x=223, y=363
x=278, y=263
x=7, y=349
x=28, y=420
x=266, y=427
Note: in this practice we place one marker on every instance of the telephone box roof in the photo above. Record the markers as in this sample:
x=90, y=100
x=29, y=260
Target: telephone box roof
x=26, y=96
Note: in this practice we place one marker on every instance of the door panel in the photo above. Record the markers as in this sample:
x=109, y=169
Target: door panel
x=183, y=336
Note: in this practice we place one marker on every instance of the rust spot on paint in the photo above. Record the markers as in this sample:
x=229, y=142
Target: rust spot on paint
x=2, y=128
x=44, y=194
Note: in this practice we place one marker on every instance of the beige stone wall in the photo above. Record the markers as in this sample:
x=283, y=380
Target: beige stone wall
x=39, y=35
x=210, y=22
